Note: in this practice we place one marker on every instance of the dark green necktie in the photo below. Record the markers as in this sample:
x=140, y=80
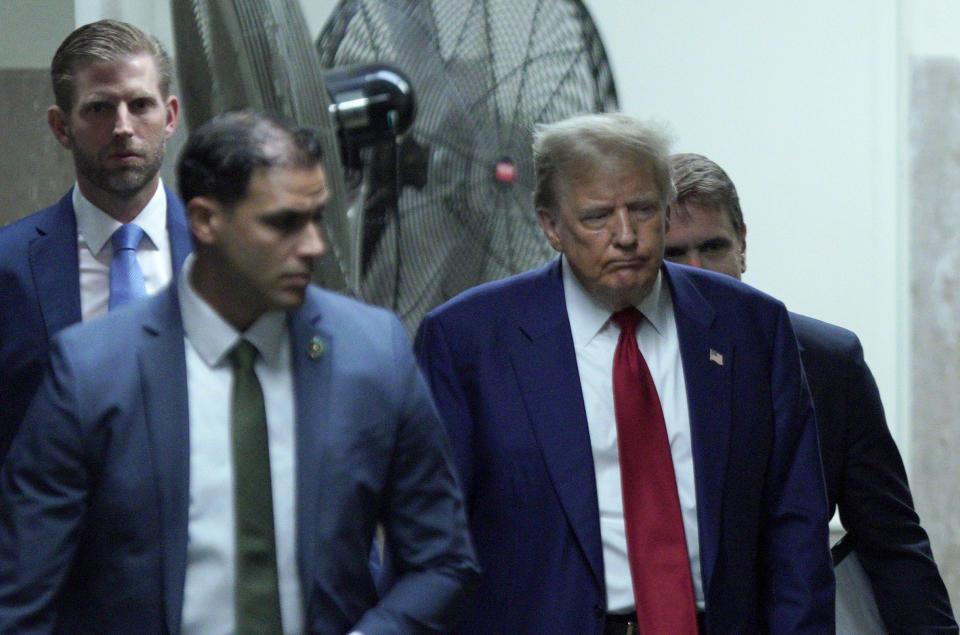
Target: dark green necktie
x=257, y=590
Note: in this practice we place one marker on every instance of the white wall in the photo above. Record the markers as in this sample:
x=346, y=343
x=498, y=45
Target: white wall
x=931, y=27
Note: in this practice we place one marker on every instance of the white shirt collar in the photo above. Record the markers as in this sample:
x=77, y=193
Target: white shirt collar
x=213, y=337
x=96, y=226
x=588, y=316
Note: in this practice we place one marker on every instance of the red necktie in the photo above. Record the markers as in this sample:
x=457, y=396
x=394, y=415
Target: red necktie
x=657, y=549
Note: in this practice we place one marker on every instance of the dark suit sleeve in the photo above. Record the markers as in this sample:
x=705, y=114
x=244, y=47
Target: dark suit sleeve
x=876, y=508
x=424, y=520
x=437, y=361
x=800, y=589
x=43, y=498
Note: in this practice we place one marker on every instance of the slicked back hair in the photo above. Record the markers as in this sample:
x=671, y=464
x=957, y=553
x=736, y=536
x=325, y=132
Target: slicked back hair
x=569, y=149
x=220, y=157
x=104, y=41
x=700, y=180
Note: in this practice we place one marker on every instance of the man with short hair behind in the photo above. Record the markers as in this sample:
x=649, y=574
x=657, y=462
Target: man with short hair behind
x=635, y=439
x=865, y=476
x=229, y=472
x=118, y=233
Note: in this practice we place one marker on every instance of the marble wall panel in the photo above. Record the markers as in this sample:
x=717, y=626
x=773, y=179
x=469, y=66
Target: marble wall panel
x=934, y=173
x=34, y=169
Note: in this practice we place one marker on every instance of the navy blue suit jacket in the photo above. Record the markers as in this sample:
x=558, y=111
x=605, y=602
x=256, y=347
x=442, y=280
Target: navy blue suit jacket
x=40, y=295
x=867, y=481
x=94, y=494
x=501, y=362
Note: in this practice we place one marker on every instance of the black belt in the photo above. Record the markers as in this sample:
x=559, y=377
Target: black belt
x=626, y=624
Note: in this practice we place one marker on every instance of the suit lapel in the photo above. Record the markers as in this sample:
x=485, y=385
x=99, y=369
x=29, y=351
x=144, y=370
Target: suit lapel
x=55, y=267
x=162, y=363
x=796, y=322
x=708, y=358
x=546, y=366
x=312, y=349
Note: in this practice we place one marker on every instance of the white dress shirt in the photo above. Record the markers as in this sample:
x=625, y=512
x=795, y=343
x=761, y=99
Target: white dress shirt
x=94, y=229
x=208, y=604
x=595, y=341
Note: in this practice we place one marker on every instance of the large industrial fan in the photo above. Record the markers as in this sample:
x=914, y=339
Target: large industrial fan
x=459, y=211
x=259, y=54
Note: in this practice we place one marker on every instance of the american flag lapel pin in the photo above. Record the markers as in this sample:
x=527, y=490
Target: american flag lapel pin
x=716, y=357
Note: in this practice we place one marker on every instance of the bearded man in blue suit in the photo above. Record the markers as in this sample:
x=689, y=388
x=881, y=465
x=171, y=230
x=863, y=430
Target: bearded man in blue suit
x=114, y=112
x=528, y=375
x=217, y=458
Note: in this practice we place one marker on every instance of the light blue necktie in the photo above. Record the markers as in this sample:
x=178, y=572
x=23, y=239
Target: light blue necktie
x=126, y=278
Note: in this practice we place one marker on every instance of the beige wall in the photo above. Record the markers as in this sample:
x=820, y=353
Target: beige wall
x=34, y=169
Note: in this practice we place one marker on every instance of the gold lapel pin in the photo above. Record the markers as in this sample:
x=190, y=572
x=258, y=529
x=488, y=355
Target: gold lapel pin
x=316, y=347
